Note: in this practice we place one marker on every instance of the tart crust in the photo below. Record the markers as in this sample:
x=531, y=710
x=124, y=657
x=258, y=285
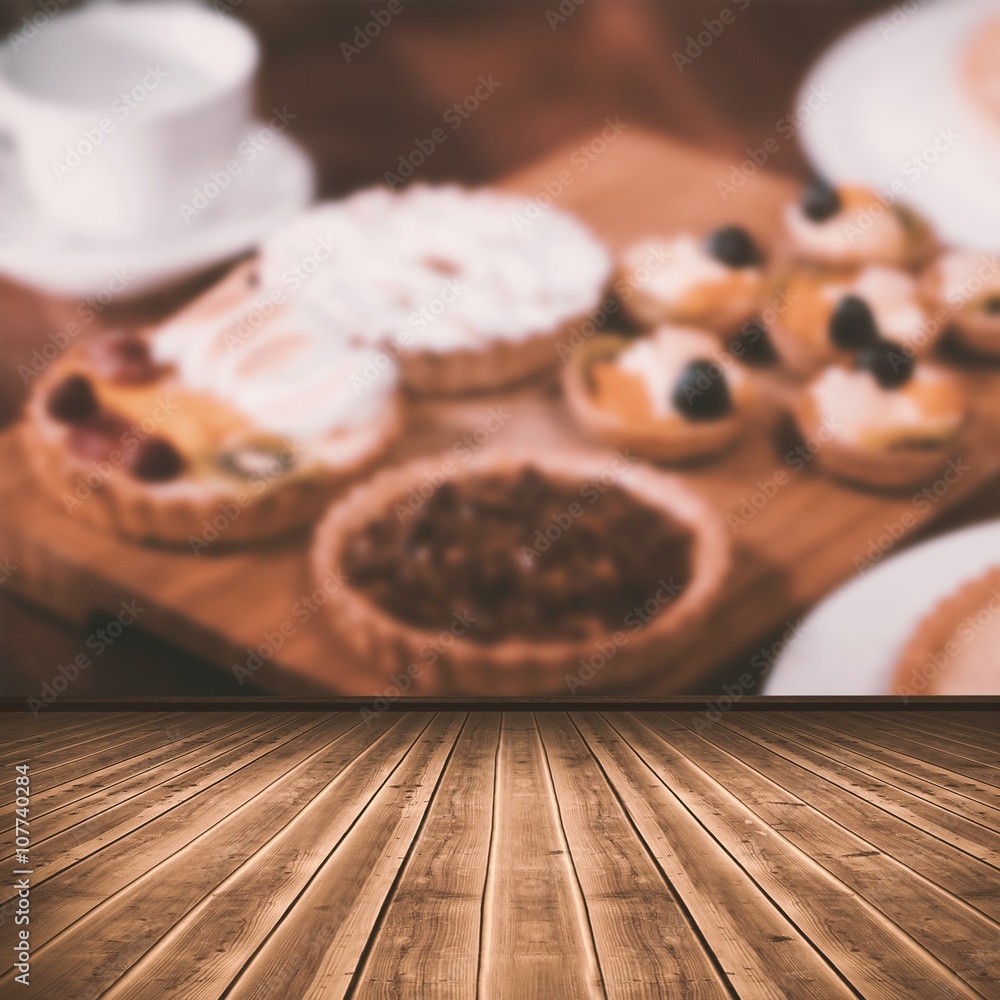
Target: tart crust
x=691, y=440
x=917, y=671
x=171, y=513
x=518, y=665
x=978, y=331
x=879, y=467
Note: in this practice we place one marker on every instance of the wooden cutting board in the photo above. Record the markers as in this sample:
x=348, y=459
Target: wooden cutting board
x=796, y=533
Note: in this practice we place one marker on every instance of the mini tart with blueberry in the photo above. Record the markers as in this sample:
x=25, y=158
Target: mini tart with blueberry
x=822, y=317
x=966, y=286
x=668, y=396
x=851, y=225
x=219, y=426
x=889, y=421
x=502, y=576
x=955, y=650
x=714, y=282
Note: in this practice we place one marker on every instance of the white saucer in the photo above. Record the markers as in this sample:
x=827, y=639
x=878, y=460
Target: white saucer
x=264, y=194
x=890, y=93
x=850, y=642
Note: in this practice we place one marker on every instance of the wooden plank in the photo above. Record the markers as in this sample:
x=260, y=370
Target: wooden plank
x=954, y=894
x=879, y=780
x=867, y=949
x=21, y=729
x=240, y=731
x=429, y=934
x=536, y=934
x=101, y=860
x=761, y=952
x=646, y=946
x=217, y=898
x=945, y=738
x=316, y=949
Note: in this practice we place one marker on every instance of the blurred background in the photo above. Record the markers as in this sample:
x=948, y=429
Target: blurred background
x=565, y=67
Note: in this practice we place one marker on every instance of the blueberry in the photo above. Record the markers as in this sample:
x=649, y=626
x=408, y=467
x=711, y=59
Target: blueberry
x=702, y=392
x=757, y=349
x=888, y=363
x=72, y=401
x=992, y=305
x=852, y=325
x=820, y=201
x=156, y=460
x=734, y=247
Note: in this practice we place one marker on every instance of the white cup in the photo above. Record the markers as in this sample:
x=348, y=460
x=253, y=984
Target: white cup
x=117, y=112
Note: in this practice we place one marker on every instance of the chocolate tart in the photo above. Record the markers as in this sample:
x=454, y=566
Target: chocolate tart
x=685, y=429
x=546, y=558
x=955, y=649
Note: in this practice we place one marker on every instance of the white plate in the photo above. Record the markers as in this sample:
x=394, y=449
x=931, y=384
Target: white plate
x=892, y=94
x=266, y=192
x=849, y=644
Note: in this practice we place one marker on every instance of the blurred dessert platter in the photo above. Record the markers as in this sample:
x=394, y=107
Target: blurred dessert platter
x=528, y=441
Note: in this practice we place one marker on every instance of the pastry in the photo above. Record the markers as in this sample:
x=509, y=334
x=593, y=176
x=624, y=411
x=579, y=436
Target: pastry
x=507, y=573
x=670, y=395
x=964, y=289
x=235, y=421
x=831, y=316
x=714, y=282
x=956, y=648
x=467, y=290
x=849, y=226
x=889, y=422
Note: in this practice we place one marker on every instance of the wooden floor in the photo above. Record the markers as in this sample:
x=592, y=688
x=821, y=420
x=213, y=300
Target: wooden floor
x=525, y=856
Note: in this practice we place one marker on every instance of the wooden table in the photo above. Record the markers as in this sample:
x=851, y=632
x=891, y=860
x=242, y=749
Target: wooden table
x=549, y=856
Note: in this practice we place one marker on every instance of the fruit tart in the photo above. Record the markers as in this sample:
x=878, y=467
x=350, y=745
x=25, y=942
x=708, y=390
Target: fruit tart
x=670, y=395
x=714, y=282
x=234, y=421
x=964, y=290
x=955, y=650
x=890, y=421
x=517, y=572
x=831, y=317
x=469, y=289
x=850, y=225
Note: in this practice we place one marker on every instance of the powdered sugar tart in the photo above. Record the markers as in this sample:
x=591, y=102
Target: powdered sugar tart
x=821, y=316
x=670, y=395
x=234, y=421
x=518, y=571
x=714, y=281
x=889, y=421
x=467, y=292
x=851, y=225
x=964, y=290
x=955, y=649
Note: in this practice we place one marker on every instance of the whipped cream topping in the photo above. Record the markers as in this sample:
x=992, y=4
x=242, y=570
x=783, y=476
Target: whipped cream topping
x=893, y=298
x=438, y=268
x=276, y=361
x=855, y=408
x=660, y=358
x=968, y=278
x=863, y=232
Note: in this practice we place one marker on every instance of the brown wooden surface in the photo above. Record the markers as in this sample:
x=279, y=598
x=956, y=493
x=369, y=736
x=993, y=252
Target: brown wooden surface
x=798, y=547
x=550, y=856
